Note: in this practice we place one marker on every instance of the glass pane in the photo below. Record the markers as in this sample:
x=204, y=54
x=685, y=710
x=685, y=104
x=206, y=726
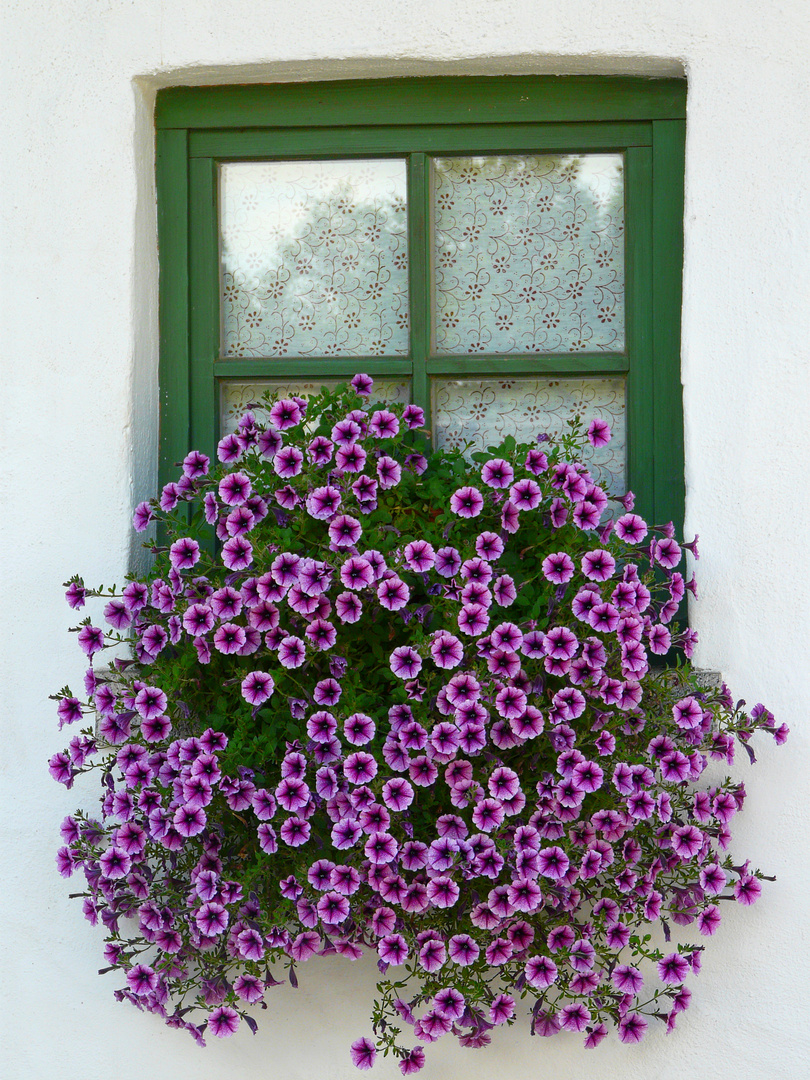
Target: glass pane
x=478, y=413
x=237, y=397
x=528, y=254
x=314, y=258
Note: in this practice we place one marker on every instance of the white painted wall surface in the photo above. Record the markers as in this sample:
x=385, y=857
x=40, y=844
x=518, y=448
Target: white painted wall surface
x=79, y=349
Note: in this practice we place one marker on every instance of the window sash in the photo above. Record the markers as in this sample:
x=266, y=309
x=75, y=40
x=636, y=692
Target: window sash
x=640, y=118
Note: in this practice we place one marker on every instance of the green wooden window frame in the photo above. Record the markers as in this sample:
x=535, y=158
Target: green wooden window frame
x=200, y=127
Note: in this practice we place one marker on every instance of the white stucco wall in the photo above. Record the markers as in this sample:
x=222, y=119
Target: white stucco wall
x=79, y=347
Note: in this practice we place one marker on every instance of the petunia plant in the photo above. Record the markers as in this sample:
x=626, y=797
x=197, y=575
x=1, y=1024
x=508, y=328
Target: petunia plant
x=371, y=699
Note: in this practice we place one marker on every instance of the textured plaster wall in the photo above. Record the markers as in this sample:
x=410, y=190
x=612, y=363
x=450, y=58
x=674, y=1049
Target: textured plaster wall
x=79, y=431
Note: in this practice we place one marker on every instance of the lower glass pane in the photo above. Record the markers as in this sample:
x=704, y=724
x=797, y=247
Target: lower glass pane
x=478, y=413
x=235, y=398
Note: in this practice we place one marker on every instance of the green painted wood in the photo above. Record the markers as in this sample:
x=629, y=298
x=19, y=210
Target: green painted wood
x=308, y=367
x=667, y=238
x=172, y=198
x=413, y=118
x=204, y=309
x=445, y=100
x=638, y=296
x=419, y=247
x=548, y=364
x=356, y=141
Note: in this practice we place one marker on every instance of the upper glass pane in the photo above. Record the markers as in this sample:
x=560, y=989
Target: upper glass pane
x=314, y=258
x=528, y=254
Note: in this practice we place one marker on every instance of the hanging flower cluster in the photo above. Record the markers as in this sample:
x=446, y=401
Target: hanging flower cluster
x=377, y=702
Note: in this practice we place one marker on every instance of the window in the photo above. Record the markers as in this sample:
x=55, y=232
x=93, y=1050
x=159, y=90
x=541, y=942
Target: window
x=506, y=252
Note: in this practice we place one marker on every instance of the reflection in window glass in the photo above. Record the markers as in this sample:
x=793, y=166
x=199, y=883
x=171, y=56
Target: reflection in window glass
x=528, y=254
x=314, y=258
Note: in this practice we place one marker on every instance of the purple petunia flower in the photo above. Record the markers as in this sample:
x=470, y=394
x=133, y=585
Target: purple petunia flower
x=536, y=462
x=348, y=607
x=467, y=502
x=504, y=591
x=346, y=833
x=69, y=710
x=320, y=450
x=223, y=1021
x=169, y=497
x=688, y=713
x=359, y=767
x=323, y=502
x=667, y=553
x=598, y=432
x=448, y=562
x=389, y=472
x=142, y=979
x=510, y=517
x=196, y=465
x=540, y=972
x=248, y=988
x=442, y=892
x=350, y=459
x=393, y=593
x=414, y=417
x=747, y=890
x=631, y=528
x=237, y=553
x=333, y=908
x=473, y=619
x=553, y=863
x=462, y=949
x=150, y=701
x=356, y=573
x=295, y=832
x=362, y=384
x=420, y=556
x=405, y=662
x=363, y=1053
x=257, y=687
x=184, y=553
x=365, y=490
x=381, y=848
x=383, y=424
x=288, y=462
x=558, y=568
x=344, y=531
x=235, y=489
x=502, y=1009
x=497, y=473
x=673, y=969
x=393, y=949
x=449, y=1003
x=525, y=495
x=229, y=638
x=397, y=794
x=632, y=1028
x=291, y=652
x=91, y=640
x=285, y=414
x=142, y=517
x=359, y=729
x=304, y=946
x=446, y=650
x=321, y=634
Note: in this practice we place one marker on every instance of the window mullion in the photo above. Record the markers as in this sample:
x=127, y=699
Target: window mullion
x=639, y=307
x=204, y=332
x=419, y=276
